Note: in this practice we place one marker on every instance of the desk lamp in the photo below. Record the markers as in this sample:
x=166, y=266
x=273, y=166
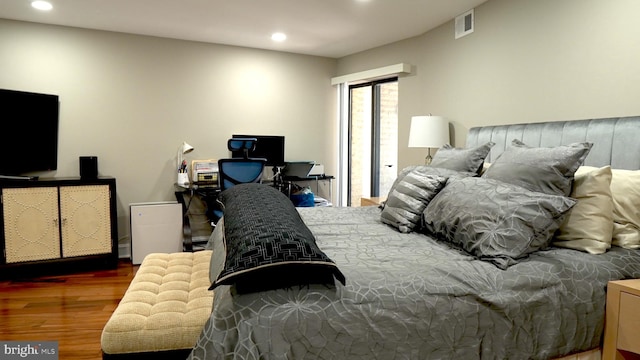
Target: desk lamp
x=183, y=176
x=428, y=132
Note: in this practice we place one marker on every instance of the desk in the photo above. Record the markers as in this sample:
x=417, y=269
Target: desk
x=198, y=214
x=317, y=179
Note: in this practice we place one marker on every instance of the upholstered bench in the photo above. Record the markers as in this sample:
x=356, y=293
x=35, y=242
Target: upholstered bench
x=164, y=309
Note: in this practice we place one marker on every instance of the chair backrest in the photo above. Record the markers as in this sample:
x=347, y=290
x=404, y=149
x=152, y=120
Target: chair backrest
x=240, y=170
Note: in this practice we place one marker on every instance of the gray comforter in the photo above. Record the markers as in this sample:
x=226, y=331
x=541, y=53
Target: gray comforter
x=410, y=297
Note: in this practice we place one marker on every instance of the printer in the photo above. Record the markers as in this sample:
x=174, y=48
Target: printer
x=205, y=172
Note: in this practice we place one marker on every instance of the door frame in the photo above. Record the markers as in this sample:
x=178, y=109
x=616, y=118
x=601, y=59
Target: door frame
x=375, y=134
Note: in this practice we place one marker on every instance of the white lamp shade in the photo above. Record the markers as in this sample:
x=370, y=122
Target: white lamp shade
x=428, y=131
x=186, y=148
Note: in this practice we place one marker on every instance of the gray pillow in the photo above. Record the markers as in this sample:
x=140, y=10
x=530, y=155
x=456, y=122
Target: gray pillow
x=425, y=170
x=467, y=160
x=494, y=221
x=547, y=170
x=406, y=202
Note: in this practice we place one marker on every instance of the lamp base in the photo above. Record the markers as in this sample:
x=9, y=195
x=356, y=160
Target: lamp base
x=428, y=158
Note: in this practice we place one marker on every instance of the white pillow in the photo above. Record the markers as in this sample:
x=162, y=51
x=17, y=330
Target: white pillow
x=485, y=166
x=625, y=189
x=588, y=226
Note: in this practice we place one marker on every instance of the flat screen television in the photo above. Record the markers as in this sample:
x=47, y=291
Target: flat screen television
x=270, y=147
x=29, y=123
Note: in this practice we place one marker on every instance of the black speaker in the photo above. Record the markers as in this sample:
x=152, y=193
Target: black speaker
x=88, y=167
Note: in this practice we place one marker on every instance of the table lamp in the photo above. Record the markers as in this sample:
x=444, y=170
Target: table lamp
x=183, y=176
x=428, y=132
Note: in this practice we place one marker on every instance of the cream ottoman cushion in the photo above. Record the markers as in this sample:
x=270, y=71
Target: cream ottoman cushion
x=165, y=306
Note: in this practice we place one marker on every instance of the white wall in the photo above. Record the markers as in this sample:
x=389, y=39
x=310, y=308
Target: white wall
x=527, y=61
x=132, y=100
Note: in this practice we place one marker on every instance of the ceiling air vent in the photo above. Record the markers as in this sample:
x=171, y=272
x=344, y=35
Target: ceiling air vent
x=464, y=24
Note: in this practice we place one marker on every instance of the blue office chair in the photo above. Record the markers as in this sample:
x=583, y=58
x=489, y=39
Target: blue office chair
x=239, y=170
x=242, y=170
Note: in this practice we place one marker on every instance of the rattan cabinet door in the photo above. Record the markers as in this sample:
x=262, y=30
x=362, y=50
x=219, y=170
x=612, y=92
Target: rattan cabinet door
x=31, y=229
x=86, y=221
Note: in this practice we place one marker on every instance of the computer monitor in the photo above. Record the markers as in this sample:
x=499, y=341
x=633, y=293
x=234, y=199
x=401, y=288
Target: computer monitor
x=270, y=147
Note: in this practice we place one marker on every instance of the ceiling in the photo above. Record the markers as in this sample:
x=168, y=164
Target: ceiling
x=330, y=28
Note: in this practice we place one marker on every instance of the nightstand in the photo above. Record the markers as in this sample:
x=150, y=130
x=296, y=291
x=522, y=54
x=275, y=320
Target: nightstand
x=372, y=201
x=622, y=325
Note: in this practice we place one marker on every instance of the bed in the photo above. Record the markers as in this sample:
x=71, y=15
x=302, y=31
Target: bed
x=411, y=285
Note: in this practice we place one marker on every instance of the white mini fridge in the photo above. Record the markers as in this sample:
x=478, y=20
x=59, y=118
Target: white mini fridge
x=155, y=228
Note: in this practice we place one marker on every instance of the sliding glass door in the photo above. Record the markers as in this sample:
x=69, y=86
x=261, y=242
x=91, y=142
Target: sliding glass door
x=373, y=139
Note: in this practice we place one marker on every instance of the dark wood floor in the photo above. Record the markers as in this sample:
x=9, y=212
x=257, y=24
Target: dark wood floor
x=71, y=309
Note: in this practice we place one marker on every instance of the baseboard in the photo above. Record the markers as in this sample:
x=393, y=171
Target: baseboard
x=124, y=251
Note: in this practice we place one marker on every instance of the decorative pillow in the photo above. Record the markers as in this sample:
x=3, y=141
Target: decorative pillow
x=406, y=202
x=547, y=170
x=625, y=190
x=466, y=160
x=267, y=244
x=494, y=221
x=588, y=226
x=424, y=170
x=485, y=166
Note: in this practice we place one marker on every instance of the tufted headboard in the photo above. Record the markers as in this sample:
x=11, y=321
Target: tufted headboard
x=616, y=141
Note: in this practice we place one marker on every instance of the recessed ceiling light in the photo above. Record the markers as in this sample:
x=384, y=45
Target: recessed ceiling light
x=279, y=37
x=42, y=5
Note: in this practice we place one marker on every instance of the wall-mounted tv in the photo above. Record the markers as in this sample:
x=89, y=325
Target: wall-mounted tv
x=270, y=147
x=29, y=123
